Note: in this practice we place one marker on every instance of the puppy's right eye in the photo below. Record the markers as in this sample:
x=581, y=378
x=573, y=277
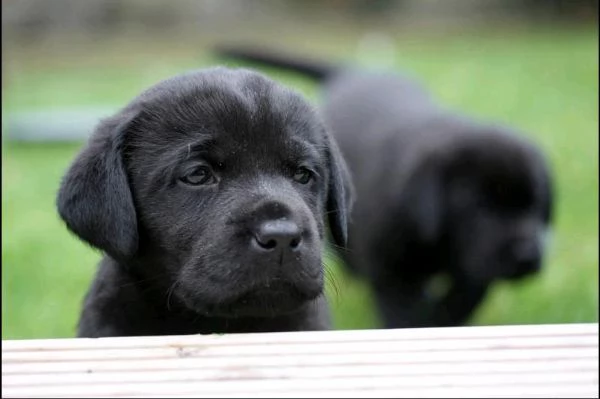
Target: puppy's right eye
x=198, y=176
x=303, y=175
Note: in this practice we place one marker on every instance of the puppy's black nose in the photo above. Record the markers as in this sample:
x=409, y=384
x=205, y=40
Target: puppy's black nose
x=527, y=256
x=277, y=235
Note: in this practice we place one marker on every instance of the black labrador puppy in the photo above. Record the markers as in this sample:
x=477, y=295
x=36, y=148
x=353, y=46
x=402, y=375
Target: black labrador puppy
x=437, y=193
x=208, y=195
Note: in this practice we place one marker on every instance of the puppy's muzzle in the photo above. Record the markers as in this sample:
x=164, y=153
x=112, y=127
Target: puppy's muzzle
x=526, y=258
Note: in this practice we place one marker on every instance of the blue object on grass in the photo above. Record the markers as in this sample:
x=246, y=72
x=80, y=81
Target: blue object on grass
x=61, y=124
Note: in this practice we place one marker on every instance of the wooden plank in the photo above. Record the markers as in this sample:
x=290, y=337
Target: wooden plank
x=502, y=332
x=322, y=348
x=499, y=361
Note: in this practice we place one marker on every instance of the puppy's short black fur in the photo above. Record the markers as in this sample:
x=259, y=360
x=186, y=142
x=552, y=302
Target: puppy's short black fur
x=437, y=192
x=208, y=195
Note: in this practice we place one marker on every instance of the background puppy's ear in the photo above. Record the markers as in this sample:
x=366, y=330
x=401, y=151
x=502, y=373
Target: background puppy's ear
x=422, y=203
x=340, y=194
x=94, y=198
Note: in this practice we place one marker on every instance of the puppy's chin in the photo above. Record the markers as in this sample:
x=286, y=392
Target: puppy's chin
x=269, y=300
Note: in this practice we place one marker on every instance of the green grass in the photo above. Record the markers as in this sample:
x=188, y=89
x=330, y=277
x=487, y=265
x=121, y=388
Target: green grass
x=544, y=83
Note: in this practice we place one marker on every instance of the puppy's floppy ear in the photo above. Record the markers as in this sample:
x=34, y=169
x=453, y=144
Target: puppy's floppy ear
x=422, y=202
x=94, y=198
x=340, y=194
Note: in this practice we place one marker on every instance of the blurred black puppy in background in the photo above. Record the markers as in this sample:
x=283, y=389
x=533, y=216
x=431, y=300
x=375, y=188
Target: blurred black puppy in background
x=208, y=195
x=437, y=193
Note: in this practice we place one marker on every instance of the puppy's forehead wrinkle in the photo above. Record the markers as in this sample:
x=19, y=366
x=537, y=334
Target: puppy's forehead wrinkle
x=305, y=149
x=241, y=105
x=240, y=109
x=216, y=89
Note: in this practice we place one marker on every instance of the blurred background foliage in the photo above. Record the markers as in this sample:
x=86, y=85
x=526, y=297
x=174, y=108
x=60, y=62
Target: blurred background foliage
x=532, y=64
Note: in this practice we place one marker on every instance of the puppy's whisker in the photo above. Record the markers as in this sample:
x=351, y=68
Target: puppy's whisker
x=196, y=318
x=344, y=249
x=135, y=282
x=170, y=293
x=330, y=211
x=332, y=282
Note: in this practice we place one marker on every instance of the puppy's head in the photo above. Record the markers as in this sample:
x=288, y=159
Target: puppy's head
x=214, y=185
x=485, y=194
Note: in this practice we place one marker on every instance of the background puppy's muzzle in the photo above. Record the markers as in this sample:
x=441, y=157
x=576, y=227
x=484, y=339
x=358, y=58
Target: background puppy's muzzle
x=526, y=258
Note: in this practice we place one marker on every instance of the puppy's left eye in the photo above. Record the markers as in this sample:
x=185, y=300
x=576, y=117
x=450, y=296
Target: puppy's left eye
x=200, y=175
x=501, y=192
x=303, y=175
x=507, y=196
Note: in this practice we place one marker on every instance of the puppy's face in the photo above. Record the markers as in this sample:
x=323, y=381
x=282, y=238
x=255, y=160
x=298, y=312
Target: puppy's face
x=230, y=177
x=498, y=209
x=487, y=197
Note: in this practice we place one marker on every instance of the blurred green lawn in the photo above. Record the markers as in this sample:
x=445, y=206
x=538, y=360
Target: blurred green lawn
x=543, y=83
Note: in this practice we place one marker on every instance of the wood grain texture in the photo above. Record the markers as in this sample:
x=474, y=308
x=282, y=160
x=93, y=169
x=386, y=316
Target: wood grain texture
x=494, y=361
